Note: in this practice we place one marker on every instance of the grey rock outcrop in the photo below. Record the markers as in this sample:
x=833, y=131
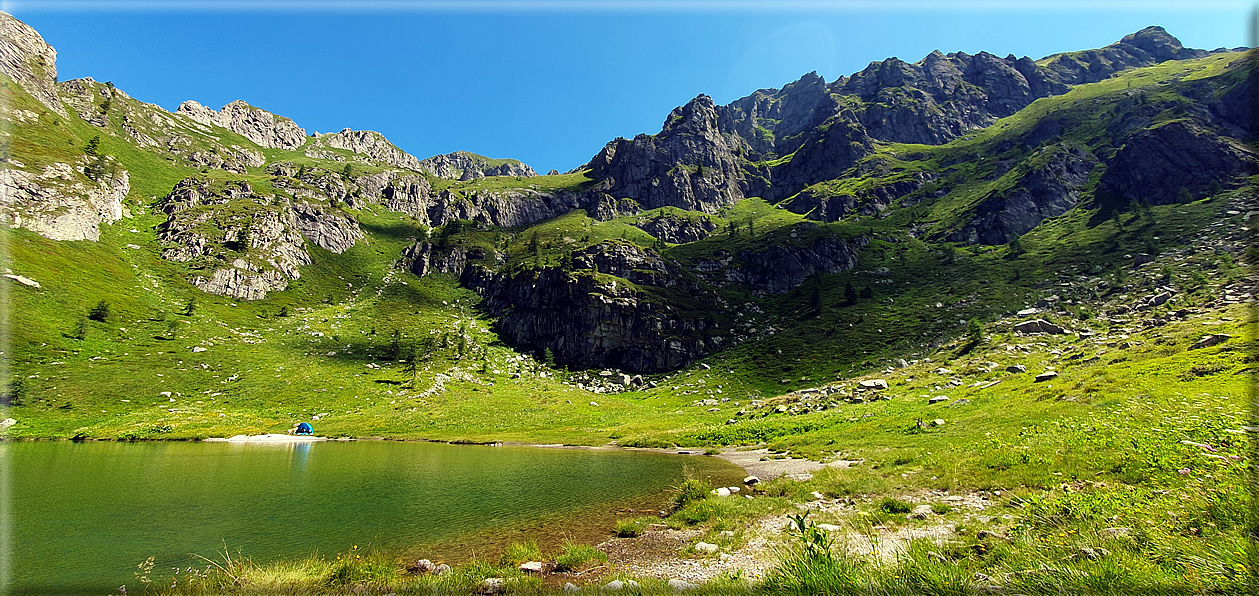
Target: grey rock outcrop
x=690, y=164
x=781, y=268
x=421, y=259
x=462, y=165
x=60, y=202
x=819, y=203
x=595, y=321
x=328, y=228
x=256, y=124
x=677, y=228
x=241, y=244
x=771, y=121
x=27, y=59
x=368, y=143
x=1172, y=163
x=826, y=153
x=1150, y=45
x=1048, y=190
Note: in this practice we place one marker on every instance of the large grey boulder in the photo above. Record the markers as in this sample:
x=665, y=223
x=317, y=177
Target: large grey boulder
x=1038, y=326
x=1210, y=340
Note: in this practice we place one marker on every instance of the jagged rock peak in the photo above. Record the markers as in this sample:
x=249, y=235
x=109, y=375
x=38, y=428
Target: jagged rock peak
x=256, y=124
x=27, y=59
x=1160, y=44
x=698, y=114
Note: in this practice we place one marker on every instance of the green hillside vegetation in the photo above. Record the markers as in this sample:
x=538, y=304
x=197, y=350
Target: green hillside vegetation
x=1137, y=448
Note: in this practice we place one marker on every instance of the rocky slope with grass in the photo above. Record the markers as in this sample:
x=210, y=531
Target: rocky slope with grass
x=1021, y=283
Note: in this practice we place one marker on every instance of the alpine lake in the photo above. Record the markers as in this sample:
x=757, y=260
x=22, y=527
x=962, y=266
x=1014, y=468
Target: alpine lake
x=83, y=516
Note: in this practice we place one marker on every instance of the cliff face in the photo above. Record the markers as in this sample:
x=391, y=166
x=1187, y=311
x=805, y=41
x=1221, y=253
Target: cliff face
x=591, y=317
x=29, y=61
x=690, y=164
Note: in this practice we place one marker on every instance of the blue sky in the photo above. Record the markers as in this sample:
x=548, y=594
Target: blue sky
x=547, y=83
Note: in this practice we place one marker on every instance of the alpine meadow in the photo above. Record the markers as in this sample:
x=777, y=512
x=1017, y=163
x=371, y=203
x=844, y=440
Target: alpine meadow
x=968, y=325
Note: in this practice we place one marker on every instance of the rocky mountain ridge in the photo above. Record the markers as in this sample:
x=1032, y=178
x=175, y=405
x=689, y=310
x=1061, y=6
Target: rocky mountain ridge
x=254, y=195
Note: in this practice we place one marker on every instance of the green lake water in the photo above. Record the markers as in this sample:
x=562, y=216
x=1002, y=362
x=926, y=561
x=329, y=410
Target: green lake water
x=81, y=516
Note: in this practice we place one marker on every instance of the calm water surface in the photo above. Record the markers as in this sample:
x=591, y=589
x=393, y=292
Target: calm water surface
x=83, y=515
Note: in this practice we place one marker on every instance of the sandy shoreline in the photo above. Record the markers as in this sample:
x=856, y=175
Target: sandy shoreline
x=269, y=438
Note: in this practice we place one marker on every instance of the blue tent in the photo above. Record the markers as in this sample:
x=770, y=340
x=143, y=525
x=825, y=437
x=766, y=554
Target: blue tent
x=304, y=429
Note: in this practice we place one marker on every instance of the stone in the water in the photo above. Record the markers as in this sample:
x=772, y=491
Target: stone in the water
x=531, y=567
x=937, y=399
x=1046, y=376
x=1016, y=369
x=1211, y=340
x=678, y=585
x=706, y=547
x=750, y=480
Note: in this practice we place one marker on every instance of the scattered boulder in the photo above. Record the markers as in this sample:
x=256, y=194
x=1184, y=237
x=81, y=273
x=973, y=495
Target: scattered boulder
x=1016, y=369
x=1211, y=340
x=1046, y=376
x=873, y=384
x=750, y=480
x=492, y=585
x=1038, y=326
x=571, y=588
x=678, y=585
x=442, y=569
x=7, y=422
x=721, y=492
x=1159, y=299
x=938, y=422
x=422, y=566
x=532, y=567
x=706, y=547
x=197, y=349
x=828, y=527
x=937, y=399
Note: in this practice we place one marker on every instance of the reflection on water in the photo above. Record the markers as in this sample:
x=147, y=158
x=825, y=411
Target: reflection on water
x=86, y=514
